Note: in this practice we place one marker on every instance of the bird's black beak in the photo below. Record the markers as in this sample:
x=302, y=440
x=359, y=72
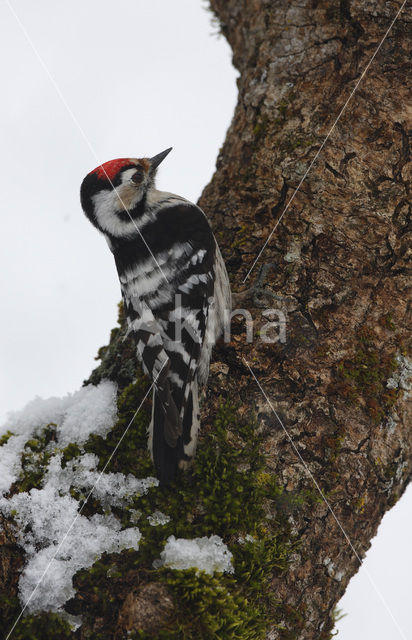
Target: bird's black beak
x=156, y=160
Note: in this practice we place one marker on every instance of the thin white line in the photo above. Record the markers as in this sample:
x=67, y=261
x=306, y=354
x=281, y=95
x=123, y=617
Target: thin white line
x=81, y=509
x=323, y=143
x=77, y=124
x=327, y=503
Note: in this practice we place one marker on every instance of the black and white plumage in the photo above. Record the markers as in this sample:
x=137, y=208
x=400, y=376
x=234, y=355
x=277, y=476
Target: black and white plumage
x=175, y=290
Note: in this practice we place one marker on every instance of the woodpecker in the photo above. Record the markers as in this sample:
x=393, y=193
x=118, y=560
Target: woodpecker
x=175, y=290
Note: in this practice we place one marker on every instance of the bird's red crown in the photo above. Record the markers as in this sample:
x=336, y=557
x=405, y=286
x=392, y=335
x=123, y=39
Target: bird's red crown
x=108, y=170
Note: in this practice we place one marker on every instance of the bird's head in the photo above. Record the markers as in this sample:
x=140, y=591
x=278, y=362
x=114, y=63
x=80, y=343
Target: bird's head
x=114, y=194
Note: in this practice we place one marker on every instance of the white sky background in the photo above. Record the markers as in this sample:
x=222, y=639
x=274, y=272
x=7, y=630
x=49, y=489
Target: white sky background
x=139, y=77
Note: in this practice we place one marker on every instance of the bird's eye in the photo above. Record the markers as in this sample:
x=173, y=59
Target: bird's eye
x=137, y=177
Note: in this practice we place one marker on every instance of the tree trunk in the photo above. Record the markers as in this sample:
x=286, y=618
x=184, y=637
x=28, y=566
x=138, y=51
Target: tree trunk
x=332, y=419
x=336, y=265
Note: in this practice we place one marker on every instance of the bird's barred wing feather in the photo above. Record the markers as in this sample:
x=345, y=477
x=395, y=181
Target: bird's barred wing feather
x=155, y=361
x=191, y=316
x=168, y=311
x=185, y=328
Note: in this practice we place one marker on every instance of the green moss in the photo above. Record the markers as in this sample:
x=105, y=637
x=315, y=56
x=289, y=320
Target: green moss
x=227, y=493
x=118, y=358
x=5, y=437
x=212, y=607
x=328, y=633
x=360, y=503
x=97, y=583
x=387, y=322
x=333, y=442
x=292, y=142
x=68, y=453
x=293, y=622
x=47, y=626
x=224, y=494
x=35, y=459
x=241, y=236
x=260, y=128
x=282, y=108
x=131, y=456
x=365, y=374
x=92, y=506
x=290, y=502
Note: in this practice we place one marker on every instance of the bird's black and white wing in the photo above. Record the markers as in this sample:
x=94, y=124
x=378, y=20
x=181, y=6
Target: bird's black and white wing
x=156, y=363
x=170, y=306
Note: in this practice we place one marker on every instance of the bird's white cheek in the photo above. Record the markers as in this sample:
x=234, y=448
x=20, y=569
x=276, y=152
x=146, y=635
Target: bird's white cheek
x=108, y=202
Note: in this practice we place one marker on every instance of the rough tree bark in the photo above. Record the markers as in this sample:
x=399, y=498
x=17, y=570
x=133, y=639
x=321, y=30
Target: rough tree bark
x=337, y=262
x=337, y=267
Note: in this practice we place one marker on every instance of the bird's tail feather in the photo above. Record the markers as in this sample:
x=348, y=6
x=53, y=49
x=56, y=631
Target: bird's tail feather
x=190, y=424
x=172, y=441
x=165, y=435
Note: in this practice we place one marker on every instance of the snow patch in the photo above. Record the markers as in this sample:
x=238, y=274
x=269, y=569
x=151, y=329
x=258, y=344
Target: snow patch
x=246, y=538
x=111, y=489
x=57, y=539
x=205, y=554
x=58, y=542
x=52, y=532
x=92, y=409
x=77, y=415
x=158, y=518
x=10, y=462
x=135, y=515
